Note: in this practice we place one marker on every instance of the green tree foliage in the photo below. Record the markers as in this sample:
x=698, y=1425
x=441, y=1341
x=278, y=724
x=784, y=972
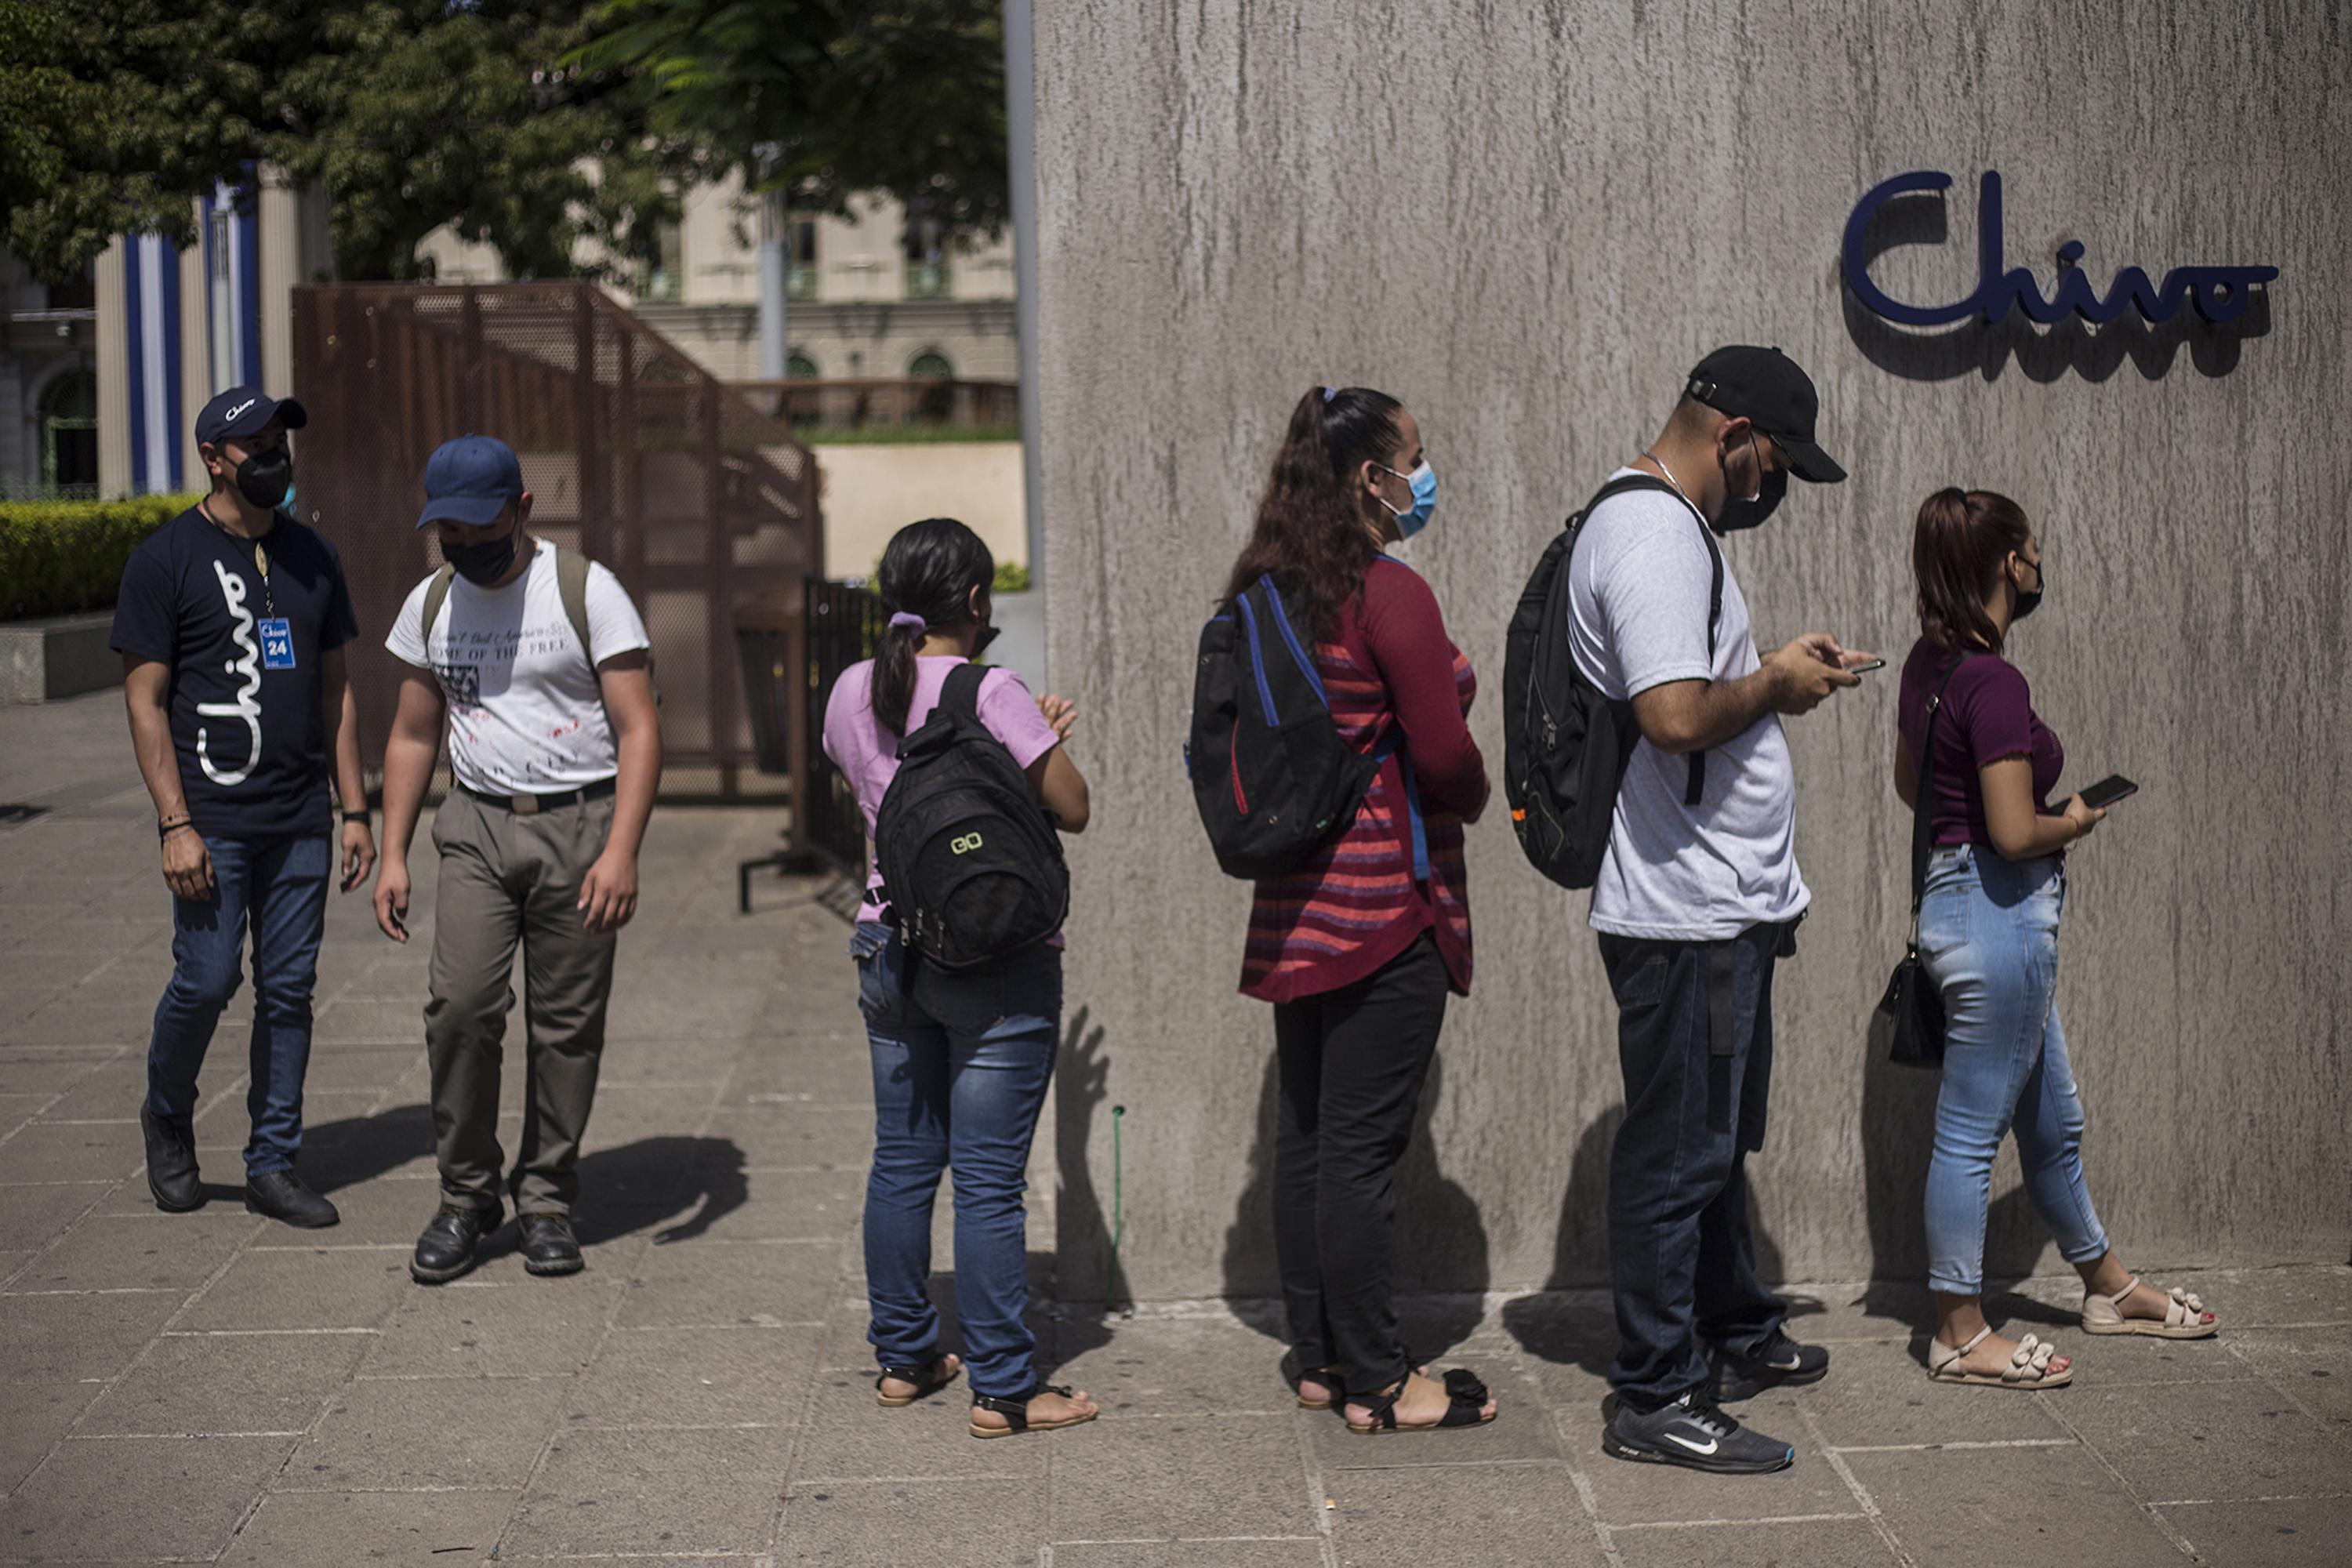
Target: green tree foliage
x=825, y=99
x=413, y=113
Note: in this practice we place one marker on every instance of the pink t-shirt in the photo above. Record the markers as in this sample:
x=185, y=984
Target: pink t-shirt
x=867, y=754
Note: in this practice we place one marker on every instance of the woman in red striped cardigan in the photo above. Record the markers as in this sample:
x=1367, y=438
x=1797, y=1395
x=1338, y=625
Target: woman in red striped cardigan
x=1358, y=949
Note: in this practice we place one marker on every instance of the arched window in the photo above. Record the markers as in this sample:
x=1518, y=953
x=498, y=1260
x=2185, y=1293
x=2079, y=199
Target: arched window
x=930, y=365
x=69, y=435
x=800, y=367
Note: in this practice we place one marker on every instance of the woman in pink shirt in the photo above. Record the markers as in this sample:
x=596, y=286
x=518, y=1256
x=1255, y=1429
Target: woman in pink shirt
x=961, y=1061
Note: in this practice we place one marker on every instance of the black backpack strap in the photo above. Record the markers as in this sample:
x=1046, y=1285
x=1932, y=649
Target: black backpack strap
x=961, y=696
x=1922, y=802
x=1696, y=788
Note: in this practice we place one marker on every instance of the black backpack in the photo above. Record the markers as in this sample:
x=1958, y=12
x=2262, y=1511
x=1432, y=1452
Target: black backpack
x=1271, y=775
x=970, y=864
x=1565, y=746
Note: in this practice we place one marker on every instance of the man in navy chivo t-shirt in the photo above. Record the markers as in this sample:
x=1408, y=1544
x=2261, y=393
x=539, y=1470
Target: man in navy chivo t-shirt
x=231, y=624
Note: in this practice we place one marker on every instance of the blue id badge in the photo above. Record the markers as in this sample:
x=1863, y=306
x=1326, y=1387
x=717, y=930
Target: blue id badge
x=277, y=644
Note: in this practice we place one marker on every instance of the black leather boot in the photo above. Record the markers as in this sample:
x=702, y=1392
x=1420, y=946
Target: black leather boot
x=447, y=1249
x=547, y=1245
x=171, y=1164
x=282, y=1195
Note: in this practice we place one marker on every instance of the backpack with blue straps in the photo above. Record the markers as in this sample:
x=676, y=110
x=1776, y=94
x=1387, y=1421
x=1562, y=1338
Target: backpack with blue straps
x=1274, y=779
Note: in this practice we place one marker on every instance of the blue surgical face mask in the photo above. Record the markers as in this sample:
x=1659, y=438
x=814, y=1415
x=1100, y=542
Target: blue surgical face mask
x=1424, y=483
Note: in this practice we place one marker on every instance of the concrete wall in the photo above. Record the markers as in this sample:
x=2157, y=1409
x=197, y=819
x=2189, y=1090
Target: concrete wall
x=871, y=492
x=1528, y=221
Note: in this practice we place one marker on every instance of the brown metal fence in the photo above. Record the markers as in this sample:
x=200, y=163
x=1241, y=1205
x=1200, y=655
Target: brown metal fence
x=699, y=502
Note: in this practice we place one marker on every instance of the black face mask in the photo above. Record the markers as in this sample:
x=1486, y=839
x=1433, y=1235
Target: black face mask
x=482, y=565
x=1741, y=513
x=988, y=634
x=264, y=477
x=2027, y=603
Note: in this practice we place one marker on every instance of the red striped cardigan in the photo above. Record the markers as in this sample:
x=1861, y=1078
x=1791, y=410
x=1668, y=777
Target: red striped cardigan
x=1386, y=664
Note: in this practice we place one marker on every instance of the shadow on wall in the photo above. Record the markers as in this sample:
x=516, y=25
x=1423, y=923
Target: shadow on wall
x=1440, y=1250
x=2042, y=353
x=1083, y=1075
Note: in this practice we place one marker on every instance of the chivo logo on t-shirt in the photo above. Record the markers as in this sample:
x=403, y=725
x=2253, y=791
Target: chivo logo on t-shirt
x=247, y=704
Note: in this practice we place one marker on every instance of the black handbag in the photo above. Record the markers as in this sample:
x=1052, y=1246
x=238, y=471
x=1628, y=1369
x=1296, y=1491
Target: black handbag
x=1909, y=1022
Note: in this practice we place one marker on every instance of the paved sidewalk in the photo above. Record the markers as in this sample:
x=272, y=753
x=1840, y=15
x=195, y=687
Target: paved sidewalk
x=212, y=1387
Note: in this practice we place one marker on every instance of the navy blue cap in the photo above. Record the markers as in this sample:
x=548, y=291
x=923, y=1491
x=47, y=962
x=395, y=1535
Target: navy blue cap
x=471, y=481
x=243, y=411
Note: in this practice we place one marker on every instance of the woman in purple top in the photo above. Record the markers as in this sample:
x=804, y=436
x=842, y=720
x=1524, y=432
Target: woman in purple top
x=961, y=1061
x=1988, y=940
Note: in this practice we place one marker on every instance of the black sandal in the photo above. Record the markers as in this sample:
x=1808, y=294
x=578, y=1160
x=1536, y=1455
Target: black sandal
x=1014, y=1408
x=924, y=1377
x=1467, y=1397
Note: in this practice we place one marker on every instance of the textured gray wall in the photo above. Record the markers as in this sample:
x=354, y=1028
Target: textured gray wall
x=1528, y=222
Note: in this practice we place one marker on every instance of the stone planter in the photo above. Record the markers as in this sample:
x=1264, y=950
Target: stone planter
x=58, y=656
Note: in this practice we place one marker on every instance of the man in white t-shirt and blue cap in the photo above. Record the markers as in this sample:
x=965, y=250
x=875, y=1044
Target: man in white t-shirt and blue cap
x=539, y=664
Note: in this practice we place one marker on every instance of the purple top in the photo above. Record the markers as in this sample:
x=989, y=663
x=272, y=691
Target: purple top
x=1987, y=715
x=867, y=754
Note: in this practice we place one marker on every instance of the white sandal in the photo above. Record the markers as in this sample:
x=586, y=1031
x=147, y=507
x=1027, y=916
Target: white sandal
x=2185, y=1316
x=2029, y=1365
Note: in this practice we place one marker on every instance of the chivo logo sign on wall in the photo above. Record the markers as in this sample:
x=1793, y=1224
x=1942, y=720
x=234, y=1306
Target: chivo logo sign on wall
x=2220, y=293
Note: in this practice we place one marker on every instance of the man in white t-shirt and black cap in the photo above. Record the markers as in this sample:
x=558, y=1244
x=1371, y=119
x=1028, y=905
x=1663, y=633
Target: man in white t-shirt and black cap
x=1696, y=900
x=540, y=662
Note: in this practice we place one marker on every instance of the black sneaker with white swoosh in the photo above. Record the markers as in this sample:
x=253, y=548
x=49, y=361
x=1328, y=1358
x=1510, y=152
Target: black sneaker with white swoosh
x=1691, y=1433
x=1774, y=1362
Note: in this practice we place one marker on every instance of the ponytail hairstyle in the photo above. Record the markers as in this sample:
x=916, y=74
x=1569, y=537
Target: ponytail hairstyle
x=1956, y=551
x=929, y=570
x=1311, y=530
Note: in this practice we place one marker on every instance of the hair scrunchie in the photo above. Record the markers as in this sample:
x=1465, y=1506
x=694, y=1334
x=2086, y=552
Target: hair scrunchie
x=907, y=622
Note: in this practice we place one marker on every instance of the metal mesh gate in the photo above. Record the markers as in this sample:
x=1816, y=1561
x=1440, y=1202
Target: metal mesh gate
x=633, y=454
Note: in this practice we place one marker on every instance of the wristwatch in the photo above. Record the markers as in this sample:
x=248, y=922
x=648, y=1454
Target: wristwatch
x=358, y=817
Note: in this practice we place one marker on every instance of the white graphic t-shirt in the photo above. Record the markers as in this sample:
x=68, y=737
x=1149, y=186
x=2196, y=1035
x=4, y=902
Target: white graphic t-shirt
x=525, y=712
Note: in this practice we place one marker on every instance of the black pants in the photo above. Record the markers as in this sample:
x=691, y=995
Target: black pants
x=1352, y=1062
x=1695, y=1042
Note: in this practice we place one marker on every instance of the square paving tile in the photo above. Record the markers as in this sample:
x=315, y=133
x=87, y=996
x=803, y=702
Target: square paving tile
x=2264, y=1298
x=1523, y=1428
x=1962, y=1508
x=794, y=1135
x=847, y=1436
x=279, y=1282
x=192, y=1491
x=430, y=1432
x=300, y=1529
x=123, y=1252
x=2209, y=1441
x=2311, y=1366
x=203, y=1384
x=108, y=1093
x=58, y=1339
x=869, y=1524
x=653, y=1492
x=37, y=1415
x=1299, y=1552
x=1627, y=1493
x=75, y=1152
x=1181, y=1476
x=31, y=1218
x=695, y=1378
x=1181, y=1366
x=48, y=1071
x=774, y=1205
x=547, y=1327
x=2309, y=1533
x=1879, y=1394
x=1505, y=1515
x=687, y=1284
x=1816, y=1543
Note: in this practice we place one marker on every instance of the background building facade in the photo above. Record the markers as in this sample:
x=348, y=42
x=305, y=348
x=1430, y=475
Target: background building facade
x=1528, y=223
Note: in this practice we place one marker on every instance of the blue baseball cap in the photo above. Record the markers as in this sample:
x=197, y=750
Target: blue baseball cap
x=244, y=411
x=471, y=481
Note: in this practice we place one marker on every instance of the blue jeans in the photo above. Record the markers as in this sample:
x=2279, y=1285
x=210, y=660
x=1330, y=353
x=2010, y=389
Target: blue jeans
x=1989, y=939
x=1694, y=1044
x=279, y=888
x=961, y=1064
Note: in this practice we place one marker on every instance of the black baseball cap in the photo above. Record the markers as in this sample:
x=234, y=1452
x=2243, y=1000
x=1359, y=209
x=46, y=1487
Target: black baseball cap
x=242, y=411
x=1766, y=387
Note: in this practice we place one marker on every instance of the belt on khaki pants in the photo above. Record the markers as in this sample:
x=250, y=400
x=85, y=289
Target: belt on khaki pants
x=528, y=804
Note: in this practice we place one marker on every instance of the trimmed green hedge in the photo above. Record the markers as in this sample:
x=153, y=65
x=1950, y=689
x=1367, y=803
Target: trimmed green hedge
x=60, y=557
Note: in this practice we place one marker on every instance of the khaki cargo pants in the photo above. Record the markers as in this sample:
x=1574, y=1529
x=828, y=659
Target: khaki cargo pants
x=509, y=877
